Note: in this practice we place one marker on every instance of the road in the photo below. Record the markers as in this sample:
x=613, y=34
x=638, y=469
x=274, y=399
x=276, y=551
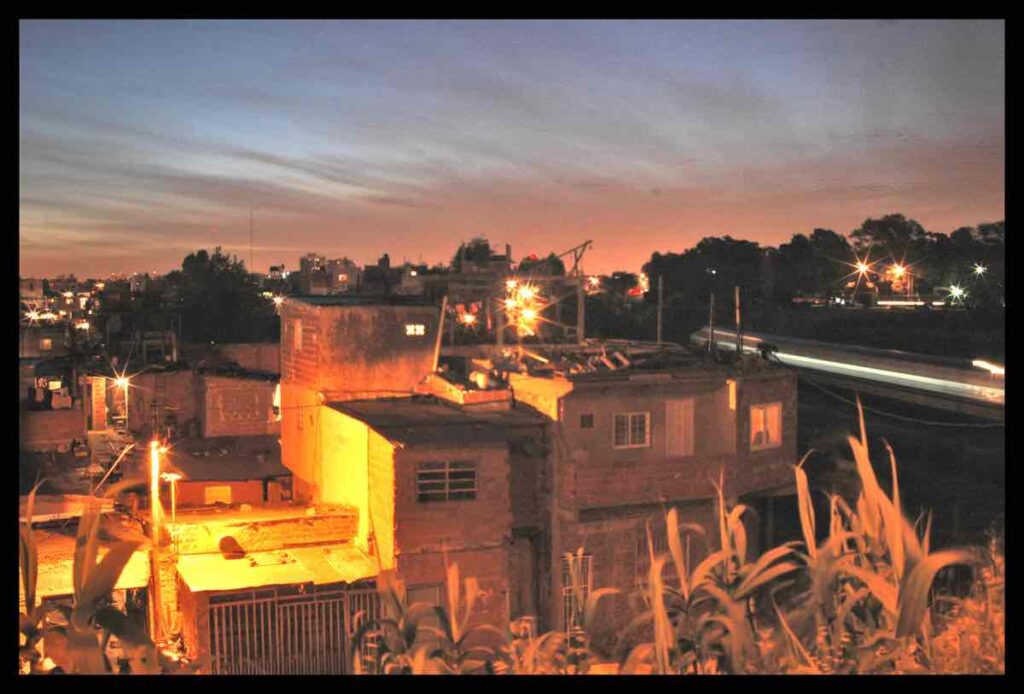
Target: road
x=950, y=384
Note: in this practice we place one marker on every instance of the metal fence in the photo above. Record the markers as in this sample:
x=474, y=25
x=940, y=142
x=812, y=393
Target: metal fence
x=289, y=630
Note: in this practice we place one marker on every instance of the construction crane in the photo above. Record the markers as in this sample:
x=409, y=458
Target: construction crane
x=577, y=256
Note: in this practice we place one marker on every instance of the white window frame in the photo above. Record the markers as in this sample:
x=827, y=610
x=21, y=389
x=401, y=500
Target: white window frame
x=630, y=443
x=767, y=407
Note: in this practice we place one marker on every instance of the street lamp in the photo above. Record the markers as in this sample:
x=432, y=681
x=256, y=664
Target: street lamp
x=122, y=381
x=980, y=269
x=173, y=478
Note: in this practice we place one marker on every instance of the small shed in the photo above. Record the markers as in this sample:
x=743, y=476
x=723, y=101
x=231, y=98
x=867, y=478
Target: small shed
x=243, y=471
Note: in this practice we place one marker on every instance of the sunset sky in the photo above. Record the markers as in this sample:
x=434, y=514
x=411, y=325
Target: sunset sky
x=143, y=141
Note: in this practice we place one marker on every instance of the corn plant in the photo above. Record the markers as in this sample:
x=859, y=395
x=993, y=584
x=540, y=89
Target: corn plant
x=78, y=641
x=407, y=643
x=564, y=652
x=868, y=600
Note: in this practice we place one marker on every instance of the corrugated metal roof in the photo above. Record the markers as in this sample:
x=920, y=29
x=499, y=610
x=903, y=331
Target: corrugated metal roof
x=324, y=564
x=56, y=557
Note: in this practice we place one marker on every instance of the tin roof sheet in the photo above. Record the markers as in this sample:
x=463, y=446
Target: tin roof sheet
x=324, y=564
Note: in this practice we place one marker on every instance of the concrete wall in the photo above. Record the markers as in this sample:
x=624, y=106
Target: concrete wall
x=237, y=407
x=301, y=413
x=382, y=497
x=45, y=430
x=343, y=478
x=350, y=352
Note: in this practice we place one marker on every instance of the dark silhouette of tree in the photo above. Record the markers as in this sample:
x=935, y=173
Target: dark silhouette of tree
x=477, y=249
x=219, y=301
x=551, y=265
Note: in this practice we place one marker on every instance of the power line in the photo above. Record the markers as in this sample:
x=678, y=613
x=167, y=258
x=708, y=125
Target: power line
x=970, y=425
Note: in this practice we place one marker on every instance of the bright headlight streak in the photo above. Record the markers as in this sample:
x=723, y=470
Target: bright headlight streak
x=871, y=373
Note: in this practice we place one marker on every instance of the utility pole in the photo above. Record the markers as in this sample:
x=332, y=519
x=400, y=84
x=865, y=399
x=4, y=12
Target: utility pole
x=252, y=266
x=581, y=310
x=661, y=300
x=739, y=329
x=711, y=325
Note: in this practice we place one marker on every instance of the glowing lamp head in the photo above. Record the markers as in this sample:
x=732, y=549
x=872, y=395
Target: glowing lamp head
x=529, y=315
x=121, y=382
x=467, y=319
x=278, y=300
x=862, y=267
x=526, y=293
x=898, y=270
x=511, y=285
x=980, y=269
x=957, y=292
x=171, y=476
x=511, y=304
x=32, y=315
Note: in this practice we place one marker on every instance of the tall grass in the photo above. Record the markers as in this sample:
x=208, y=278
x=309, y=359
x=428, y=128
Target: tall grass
x=860, y=601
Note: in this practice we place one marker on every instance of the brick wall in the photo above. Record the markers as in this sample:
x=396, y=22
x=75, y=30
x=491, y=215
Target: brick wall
x=356, y=351
x=256, y=356
x=488, y=566
x=45, y=430
x=176, y=392
x=238, y=407
x=484, y=521
x=265, y=535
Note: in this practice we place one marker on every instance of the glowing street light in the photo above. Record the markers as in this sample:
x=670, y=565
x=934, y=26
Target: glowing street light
x=898, y=270
x=32, y=315
x=980, y=269
x=957, y=293
x=173, y=478
x=278, y=300
x=123, y=381
x=467, y=319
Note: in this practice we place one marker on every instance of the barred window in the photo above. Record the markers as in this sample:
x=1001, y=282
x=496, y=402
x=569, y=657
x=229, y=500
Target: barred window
x=446, y=481
x=572, y=603
x=642, y=565
x=632, y=430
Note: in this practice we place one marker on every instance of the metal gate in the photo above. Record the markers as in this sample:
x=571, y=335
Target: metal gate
x=288, y=630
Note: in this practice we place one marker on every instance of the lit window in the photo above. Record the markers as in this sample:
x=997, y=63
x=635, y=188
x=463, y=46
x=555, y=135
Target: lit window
x=765, y=426
x=586, y=421
x=577, y=579
x=412, y=329
x=445, y=481
x=46, y=344
x=632, y=430
x=275, y=409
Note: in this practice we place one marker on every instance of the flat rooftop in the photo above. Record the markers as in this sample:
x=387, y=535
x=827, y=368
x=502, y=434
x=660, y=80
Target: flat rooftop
x=360, y=300
x=426, y=420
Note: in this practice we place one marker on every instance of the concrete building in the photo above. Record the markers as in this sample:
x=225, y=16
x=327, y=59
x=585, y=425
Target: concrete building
x=640, y=429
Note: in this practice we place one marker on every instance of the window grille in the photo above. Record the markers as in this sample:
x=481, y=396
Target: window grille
x=445, y=481
x=575, y=592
